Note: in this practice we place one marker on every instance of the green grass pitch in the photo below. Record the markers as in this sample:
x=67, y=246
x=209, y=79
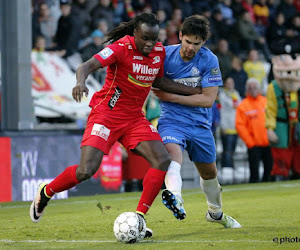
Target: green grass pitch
x=268, y=212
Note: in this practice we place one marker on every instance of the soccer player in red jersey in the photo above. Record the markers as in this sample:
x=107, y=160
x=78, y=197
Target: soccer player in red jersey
x=134, y=61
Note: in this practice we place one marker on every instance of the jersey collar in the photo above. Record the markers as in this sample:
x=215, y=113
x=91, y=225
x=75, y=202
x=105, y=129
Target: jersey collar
x=131, y=39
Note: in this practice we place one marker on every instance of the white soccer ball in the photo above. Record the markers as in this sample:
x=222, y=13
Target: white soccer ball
x=129, y=227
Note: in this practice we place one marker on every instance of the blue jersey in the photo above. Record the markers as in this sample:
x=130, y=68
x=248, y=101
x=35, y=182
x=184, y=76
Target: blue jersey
x=202, y=70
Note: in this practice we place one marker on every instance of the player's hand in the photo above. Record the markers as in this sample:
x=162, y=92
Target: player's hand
x=162, y=95
x=272, y=136
x=78, y=91
x=199, y=89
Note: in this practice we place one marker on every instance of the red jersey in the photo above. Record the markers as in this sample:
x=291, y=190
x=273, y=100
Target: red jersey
x=130, y=75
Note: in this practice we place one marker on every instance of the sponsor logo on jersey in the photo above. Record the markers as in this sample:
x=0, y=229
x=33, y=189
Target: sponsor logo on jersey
x=195, y=71
x=215, y=71
x=190, y=81
x=138, y=58
x=115, y=97
x=105, y=53
x=158, y=48
x=143, y=78
x=214, y=79
x=156, y=59
x=144, y=69
x=101, y=131
x=129, y=47
x=170, y=73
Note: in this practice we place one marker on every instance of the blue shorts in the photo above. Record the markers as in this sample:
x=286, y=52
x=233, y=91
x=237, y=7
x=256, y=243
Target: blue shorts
x=197, y=140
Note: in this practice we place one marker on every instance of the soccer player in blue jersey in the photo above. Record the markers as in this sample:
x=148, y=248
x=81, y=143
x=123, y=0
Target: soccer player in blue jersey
x=185, y=121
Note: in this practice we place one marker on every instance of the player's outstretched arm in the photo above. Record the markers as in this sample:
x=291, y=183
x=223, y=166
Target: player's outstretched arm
x=168, y=85
x=206, y=99
x=81, y=74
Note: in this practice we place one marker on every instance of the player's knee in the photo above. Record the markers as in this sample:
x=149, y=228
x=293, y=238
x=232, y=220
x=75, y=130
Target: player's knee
x=85, y=172
x=208, y=175
x=164, y=163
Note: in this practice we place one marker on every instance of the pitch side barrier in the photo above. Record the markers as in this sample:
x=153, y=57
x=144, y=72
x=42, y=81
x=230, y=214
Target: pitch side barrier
x=29, y=158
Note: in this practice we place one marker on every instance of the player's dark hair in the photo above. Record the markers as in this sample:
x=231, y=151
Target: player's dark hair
x=127, y=28
x=196, y=25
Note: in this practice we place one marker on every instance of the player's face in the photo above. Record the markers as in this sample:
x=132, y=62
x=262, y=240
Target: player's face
x=146, y=38
x=190, y=45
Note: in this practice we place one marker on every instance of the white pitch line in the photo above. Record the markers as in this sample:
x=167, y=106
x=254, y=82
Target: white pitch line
x=186, y=193
x=148, y=241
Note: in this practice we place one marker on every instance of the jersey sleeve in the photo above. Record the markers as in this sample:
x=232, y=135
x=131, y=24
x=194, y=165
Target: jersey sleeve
x=212, y=74
x=161, y=70
x=109, y=55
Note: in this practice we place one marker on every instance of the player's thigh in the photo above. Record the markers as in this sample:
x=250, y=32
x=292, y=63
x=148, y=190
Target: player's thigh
x=155, y=153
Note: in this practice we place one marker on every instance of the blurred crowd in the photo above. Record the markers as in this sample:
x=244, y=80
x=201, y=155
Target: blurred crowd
x=245, y=35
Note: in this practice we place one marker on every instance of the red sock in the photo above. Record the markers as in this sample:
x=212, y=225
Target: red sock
x=64, y=181
x=152, y=184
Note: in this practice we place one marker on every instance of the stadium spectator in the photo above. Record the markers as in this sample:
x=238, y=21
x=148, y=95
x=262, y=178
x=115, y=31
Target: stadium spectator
x=237, y=8
x=229, y=99
x=123, y=11
x=94, y=47
x=67, y=35
x=224, y=57
x=255, y=67
x=185, y=121
x=186, y=7
x=238, y=75
x=226, y=10
x=297, y=5
x=172, y=33
x=162, y=36
x=167, y=5
x=80, y=10
x=102, y=26
x=250, y=124
x=35, y=25
x=272, y=4
x=40, y=46
x=48, y=24
x=220, y=29
x=162, y=18
x=103, y=10
x=117, y=115
x=248, y=7
x=288, y=9
x=91, y=49
x=261, y=12
x=293, y=30
x=276, y=33
x=247, y=37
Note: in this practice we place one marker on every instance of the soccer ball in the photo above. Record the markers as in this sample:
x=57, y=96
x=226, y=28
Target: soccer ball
x=129, y=227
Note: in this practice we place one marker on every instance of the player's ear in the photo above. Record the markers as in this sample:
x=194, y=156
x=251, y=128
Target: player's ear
x=180, y=35
x=134, y=32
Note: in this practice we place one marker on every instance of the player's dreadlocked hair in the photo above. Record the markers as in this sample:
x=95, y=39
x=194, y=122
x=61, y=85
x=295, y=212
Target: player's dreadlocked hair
x=196, y=25
x=127, y=28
